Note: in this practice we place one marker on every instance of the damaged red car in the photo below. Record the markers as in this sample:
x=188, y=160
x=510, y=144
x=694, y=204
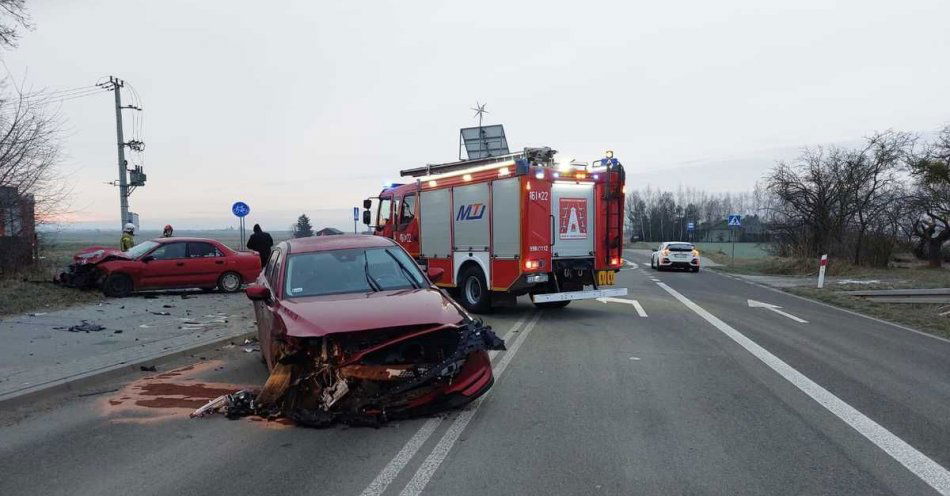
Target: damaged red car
x=353, y=330
x=163, y=263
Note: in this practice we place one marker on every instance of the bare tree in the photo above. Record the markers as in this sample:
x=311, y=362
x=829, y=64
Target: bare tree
x=30, y=142
x=930, y=200
x=13, y=17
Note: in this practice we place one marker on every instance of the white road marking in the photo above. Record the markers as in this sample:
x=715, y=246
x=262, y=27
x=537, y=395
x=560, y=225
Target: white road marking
x=638, y=308
x=635, y=303
x=775, y=308
x=918, y=463
x=392, y=469
x=441, y=450
x=399, y=462
x=632, y=265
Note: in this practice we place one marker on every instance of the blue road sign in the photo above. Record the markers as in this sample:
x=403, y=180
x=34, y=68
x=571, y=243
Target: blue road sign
x=690, y=226
x=735, y=220
x=240, y=209
x=356, y=214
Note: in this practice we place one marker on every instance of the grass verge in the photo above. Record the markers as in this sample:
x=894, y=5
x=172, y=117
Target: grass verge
x=924, y=317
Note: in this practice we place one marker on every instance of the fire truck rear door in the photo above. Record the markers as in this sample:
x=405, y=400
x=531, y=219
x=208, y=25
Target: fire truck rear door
x=572, y=206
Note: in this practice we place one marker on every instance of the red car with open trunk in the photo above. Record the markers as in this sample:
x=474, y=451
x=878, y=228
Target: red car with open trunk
x=352, y=329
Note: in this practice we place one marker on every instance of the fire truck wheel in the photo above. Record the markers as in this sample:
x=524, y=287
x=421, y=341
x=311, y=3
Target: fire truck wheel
x=473, y=290
x=117, y=285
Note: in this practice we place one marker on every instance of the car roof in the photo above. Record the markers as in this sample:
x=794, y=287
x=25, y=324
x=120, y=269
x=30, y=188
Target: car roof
x=169, y=240
x=337, y=242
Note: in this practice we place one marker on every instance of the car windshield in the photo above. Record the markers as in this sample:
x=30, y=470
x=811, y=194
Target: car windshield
x=679, y=247
x=141, y=249
x=355, y=270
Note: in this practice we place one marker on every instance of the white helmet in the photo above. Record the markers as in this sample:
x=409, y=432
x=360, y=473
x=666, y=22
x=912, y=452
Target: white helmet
x=129, y=227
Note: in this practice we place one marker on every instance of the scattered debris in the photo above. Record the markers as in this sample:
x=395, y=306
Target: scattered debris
x=160, y=313
x=37, y=314
x=251, y=345
x=117, y=331
x=150, y=368
x=168, y=306
x=150, y=297
x=185, y=297
x=84, y=327
x=365, y=379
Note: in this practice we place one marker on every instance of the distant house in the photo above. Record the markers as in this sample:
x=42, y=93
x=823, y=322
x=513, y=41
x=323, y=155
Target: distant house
x=17, y=229
x=328, y=231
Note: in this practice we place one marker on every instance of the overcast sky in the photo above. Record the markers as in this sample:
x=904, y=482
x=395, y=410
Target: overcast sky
x=311, y=106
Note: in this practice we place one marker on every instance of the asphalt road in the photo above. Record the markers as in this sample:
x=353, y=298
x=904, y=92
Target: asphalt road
x=702, y=395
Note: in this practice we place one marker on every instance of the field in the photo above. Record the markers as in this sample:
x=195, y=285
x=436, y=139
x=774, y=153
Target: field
x=32, y=289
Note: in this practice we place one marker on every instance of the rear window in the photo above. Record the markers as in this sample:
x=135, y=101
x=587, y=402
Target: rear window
x=679, y=247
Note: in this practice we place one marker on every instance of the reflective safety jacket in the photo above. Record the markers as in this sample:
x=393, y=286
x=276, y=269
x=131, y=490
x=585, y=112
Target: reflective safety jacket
x=126, y=242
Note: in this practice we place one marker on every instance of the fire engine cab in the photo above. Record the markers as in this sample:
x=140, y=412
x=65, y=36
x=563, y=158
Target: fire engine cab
x=494, y=228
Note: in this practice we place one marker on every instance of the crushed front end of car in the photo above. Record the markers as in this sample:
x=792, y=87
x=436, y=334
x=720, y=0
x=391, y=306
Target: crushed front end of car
x=84, y=270
x=369, y=377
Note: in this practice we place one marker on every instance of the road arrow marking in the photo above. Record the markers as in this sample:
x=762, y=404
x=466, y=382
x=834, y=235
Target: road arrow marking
x=775, y=308
x=635, y=303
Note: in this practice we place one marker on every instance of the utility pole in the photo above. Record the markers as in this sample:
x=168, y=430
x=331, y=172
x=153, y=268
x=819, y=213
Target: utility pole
x=138, y=177
x=117, y=84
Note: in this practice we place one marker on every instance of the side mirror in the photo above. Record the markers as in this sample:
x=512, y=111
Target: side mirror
x=367, y=217
x=367, y=203
x=148, y=258
x=256, y=292
x=435, y=273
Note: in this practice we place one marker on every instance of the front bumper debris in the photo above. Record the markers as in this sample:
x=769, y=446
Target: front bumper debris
x=369, y=377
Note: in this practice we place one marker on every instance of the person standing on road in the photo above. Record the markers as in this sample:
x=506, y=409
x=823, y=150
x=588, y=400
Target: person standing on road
x=168, y=231
x=128, y=237
x=261, y=242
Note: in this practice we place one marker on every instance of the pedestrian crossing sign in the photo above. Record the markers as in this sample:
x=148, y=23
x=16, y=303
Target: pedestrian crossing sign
x=735, y=221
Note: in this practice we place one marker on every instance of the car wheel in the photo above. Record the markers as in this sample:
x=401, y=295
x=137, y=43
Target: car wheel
x=229, y=282
x=474, y=293
x=652, y=265
x=695, y=269
x=117, y=285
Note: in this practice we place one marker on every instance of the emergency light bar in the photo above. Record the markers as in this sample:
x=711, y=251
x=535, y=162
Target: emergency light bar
x=535, y=156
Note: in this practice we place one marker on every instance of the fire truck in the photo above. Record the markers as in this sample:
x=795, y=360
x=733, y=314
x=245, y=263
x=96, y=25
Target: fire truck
x=494, y=228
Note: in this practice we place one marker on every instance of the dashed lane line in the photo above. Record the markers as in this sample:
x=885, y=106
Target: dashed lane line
x=441, y=450
x=402, y=458
x=918, y=463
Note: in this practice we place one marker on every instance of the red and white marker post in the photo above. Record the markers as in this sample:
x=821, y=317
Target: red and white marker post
x=821, y=270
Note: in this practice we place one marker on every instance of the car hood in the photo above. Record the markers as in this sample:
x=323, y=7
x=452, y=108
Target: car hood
x=96, y=254
x=321, y=315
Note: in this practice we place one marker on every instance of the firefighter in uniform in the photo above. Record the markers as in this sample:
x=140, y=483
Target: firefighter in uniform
x=128, y=237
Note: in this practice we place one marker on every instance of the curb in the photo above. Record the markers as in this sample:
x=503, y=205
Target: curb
x=75, y=383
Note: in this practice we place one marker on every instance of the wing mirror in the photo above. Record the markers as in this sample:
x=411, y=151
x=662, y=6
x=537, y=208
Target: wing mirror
x=148, y=258
x=367, y=203
x=367, y=217
x=256, y=292
x=435, y=273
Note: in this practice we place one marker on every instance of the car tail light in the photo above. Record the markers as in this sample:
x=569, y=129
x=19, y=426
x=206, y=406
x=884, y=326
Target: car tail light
x=614, y=261
x=532, y=264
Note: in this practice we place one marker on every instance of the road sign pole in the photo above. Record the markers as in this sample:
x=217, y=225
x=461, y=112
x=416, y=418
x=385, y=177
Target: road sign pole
x=821, y=271
x=733, y=247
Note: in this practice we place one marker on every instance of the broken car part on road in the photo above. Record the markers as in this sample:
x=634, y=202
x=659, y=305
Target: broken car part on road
x=367, y=377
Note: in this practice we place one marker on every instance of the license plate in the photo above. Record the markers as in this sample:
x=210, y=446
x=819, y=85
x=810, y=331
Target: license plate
x=606, y=278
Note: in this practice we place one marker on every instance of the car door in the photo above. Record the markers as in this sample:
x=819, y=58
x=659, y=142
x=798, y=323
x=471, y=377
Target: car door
x=165, y=266
x=205, y=264
x=407, y=227
x=263, y=310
